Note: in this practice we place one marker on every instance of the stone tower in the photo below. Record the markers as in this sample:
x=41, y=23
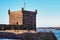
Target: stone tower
x=25, y=18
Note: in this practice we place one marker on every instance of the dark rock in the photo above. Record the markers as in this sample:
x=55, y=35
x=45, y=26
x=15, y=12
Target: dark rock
x=29, y=36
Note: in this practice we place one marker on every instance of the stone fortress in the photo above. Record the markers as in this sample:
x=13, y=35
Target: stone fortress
x=25, y=19
x=20, y=20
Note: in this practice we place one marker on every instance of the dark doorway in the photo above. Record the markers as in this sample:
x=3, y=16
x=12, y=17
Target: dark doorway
x=17, y=23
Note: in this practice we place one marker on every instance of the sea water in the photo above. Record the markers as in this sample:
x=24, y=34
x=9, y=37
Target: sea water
x=56, y=32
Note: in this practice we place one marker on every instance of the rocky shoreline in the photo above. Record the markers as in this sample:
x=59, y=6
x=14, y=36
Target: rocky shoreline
x=28, y=36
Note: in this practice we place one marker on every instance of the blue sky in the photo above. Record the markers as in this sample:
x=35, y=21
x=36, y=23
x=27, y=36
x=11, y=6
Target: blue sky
x=48, y=11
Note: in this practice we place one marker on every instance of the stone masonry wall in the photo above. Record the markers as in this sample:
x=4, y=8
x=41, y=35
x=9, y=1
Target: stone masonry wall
x=16, y=17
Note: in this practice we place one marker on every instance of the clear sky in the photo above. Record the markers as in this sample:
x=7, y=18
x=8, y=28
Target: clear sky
x=48, y=11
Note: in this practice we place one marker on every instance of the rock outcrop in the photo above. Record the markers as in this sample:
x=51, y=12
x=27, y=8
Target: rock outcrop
x=29, y=36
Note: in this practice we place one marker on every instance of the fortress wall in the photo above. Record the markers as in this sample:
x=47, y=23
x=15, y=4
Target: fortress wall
x=19, y=31
x=15, y=17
